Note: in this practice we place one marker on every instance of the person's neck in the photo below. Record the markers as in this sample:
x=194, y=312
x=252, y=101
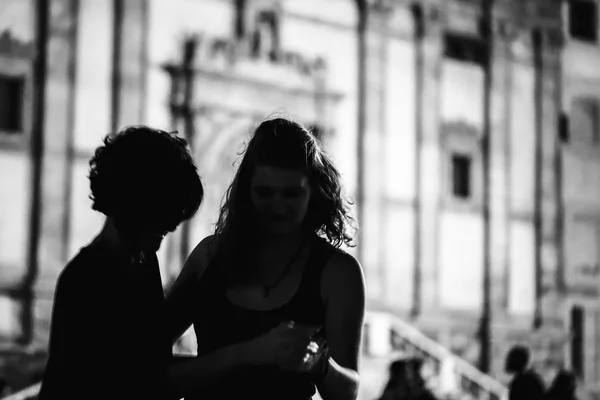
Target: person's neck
x=283, y=243
x=110, y=237
x=521, y=372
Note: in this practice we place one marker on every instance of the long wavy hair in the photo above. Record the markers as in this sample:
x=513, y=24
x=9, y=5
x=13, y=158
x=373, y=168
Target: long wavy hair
x=280, y=143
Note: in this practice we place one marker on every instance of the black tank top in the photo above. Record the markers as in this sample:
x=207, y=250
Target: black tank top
x=219, y=323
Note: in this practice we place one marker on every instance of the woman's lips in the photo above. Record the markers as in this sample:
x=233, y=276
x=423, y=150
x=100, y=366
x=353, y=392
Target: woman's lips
x=278, y=218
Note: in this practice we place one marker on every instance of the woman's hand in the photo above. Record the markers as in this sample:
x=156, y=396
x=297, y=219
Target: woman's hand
x=285, y=347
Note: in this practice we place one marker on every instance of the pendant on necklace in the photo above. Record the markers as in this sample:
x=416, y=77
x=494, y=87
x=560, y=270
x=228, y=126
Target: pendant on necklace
x=267, y=290
x=138, y=258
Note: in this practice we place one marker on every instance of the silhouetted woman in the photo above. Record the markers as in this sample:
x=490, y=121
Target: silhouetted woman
x=526, y=384
x=564, y=387
x=108, y=337
x=275, y=257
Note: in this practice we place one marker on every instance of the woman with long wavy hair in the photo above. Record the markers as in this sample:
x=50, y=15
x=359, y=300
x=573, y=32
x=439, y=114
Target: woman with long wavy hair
x=272, y=283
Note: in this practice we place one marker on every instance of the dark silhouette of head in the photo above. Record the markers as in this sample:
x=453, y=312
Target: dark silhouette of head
x=517, y=359
x=404, y=377
x=285, y=182
x=146, y=181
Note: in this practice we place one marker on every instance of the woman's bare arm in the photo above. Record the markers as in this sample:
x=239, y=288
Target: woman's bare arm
x=188, y=376
x=179, y=298
x=344, y=293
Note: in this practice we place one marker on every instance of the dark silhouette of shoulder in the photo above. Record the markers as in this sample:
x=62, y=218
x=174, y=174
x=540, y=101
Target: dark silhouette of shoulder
x=83, y=270
x=527, y=385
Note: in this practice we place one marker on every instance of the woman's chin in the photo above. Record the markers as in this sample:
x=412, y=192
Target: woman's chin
x=281, y=229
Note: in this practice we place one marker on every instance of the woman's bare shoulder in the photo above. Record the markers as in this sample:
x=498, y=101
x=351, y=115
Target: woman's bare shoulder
x=200, y=257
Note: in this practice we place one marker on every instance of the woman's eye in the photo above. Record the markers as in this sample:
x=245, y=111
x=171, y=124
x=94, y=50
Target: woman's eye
x=286, y=193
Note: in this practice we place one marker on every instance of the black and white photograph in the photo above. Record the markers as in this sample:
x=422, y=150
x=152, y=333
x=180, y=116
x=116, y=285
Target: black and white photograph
x=300, y=199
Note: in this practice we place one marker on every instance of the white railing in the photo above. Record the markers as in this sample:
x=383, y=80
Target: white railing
x=451, y=370
x=28, y=393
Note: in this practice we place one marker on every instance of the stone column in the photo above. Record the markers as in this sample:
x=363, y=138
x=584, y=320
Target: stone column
x=552, y=279
x=58, y=132
x=428, y=167
x=500, y=173
x=130, y=62
x=373, y=221
x=500, y=141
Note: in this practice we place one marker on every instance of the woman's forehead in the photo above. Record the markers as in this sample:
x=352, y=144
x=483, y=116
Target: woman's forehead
x=275, y=176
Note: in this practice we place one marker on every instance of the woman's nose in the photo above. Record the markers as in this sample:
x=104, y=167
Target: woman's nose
x=276, y=201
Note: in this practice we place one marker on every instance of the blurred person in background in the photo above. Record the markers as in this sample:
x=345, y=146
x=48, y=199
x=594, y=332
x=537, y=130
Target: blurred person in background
x=526, y=384
x=563, y=387
x=406, y=382
x=275, y=257
x=108, y=338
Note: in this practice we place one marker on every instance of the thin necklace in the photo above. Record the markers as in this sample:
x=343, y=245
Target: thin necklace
x=267, y=288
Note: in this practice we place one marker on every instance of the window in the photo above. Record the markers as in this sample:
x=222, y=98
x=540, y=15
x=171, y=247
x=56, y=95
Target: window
x=563, y=128
x=585, y=124
x=11, y=103
x=465, y=48
x=577, y=340
x=461, y=176
x=461, y=166
x=583, y=20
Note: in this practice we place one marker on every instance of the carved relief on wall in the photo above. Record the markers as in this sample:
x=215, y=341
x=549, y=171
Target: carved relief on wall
x=62, y=30
x=16, y=28
x=220, y=140
x=16, y=52
x=217, y=139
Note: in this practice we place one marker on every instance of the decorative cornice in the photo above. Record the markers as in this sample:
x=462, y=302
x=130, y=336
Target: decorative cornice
x=13, y=47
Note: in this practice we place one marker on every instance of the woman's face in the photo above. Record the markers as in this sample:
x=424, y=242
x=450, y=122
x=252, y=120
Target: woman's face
x=280, y=197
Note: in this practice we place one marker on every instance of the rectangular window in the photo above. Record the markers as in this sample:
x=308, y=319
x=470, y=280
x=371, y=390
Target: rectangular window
x=461, y=176
x=563, y=128
x=11, y=103
x=577, y=340
x=583, y=20
x=465, y=48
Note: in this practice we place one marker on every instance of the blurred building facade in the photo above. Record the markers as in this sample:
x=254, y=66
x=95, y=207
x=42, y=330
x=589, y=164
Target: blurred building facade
x=113, y=64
